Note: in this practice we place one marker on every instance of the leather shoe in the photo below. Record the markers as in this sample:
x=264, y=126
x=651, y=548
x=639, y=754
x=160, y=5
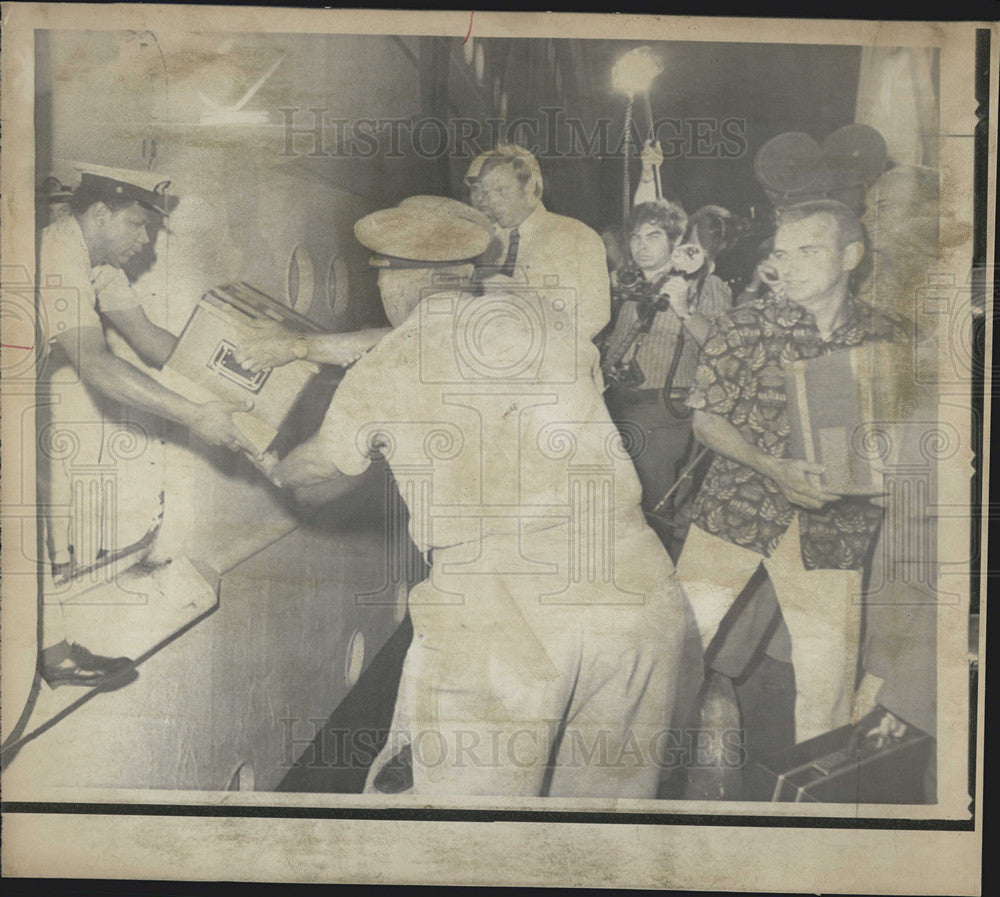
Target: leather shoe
x=72, y=664
x=397, y=775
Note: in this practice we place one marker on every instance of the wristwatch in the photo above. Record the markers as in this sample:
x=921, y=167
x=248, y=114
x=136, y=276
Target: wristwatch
x=301, y=348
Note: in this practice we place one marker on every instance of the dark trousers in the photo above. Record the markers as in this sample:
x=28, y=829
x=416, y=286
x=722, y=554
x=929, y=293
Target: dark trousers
x=657, y=440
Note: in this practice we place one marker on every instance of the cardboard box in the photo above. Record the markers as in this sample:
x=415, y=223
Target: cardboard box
x=202, y=367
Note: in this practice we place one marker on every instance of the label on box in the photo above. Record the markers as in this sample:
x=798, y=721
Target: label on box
x=223, y=362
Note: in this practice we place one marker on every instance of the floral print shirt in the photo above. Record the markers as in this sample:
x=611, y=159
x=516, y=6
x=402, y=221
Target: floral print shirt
x=740, y=378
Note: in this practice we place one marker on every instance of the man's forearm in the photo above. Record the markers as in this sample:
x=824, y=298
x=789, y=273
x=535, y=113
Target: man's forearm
x=795, y=478
x=724, y=439
x=156, y=348
x=160, y=348
x=116, y=378
x=149, y=341
x=308, y=465
x=342, y=348
x=646, y=191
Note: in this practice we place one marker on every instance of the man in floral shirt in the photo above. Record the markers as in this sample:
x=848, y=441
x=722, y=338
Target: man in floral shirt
x=756, y=504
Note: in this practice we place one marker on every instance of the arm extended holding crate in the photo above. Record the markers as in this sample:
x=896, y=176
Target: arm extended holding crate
x=307, y=465
x=307, y=471
x=105, y=372
x=150, y=342
x=270, y=344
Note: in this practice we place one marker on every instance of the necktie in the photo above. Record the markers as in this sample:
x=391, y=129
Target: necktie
x=511, y=260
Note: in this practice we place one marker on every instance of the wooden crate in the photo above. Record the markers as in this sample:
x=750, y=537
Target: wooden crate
x=202, y=367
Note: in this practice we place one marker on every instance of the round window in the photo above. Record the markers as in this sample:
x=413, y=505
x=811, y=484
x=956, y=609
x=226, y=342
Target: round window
x=355, y=658
x=480, y=63
x=338, y=285
x=301, y=279
x=402, y=601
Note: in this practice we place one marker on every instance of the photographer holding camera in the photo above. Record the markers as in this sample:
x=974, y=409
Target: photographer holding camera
x=665, y=300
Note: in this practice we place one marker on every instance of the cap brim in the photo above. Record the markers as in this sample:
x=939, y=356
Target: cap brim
x=389, y=261
x=428, y=230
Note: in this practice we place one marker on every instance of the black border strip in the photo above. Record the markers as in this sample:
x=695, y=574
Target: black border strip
x=980, y=202
x=420, y=814
x=982, y=83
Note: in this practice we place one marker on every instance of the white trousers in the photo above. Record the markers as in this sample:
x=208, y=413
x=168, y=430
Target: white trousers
x=100, y=474
x=528, y=683
x=821, y=608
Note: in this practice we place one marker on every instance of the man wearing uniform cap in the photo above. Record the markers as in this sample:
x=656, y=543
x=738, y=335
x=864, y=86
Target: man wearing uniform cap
x=85, y=290
x=533, y=245
x=548, y=627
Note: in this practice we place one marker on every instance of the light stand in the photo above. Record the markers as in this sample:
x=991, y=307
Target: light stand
x=632, y=75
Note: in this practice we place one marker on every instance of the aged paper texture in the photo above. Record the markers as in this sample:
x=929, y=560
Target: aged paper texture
x=495, y=448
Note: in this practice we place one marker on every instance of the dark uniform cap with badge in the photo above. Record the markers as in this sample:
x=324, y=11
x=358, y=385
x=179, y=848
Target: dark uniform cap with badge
x=148, y=188
x=423, y=231
x=53, y=190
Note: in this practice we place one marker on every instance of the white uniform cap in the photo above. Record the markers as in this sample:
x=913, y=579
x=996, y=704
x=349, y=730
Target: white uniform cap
x=424, y=229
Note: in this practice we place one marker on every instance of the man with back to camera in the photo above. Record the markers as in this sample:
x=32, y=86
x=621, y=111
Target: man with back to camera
x=81, y=257
x=550, y=623
x=758, y=506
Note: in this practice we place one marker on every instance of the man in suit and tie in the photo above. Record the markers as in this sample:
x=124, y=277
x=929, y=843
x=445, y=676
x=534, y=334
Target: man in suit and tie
x=538, y=248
